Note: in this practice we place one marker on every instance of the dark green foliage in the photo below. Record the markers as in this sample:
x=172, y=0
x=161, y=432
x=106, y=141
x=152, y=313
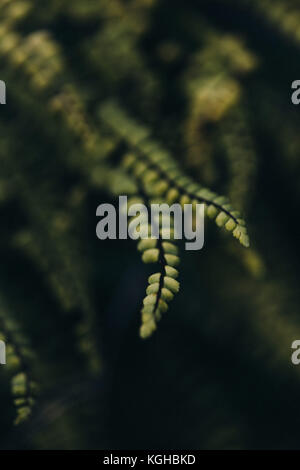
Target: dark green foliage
x=158, y=101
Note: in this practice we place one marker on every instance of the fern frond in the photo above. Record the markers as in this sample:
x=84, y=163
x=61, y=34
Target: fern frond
x=18, y=357
x=160, y=175
x=162, y=285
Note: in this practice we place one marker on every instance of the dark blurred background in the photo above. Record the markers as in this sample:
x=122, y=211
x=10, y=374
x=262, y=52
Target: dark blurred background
x=212, y=80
